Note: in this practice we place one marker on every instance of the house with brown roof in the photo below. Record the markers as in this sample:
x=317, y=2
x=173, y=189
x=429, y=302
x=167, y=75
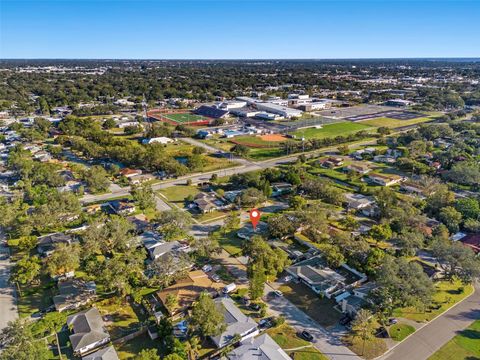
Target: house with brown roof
x=127, y=172
x=186, y=291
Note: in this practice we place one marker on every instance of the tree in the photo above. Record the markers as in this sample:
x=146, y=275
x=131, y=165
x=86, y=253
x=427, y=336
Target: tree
x=147, y=354
x=206, y=318
x=280, y=226
x=468, y=207
x=381, y=232
x=410, y=242
x=206, y=246
x=343, y=149
x=472, y=225
x=251, y=197
x=240, y=150
x=174, y=223
x=457, y=260
x=173, y=357
x=256, y=272
x=260, y=252
x=27, y=269
x=109, y=123
x=144, y=196
x=171, y=302
x=65, y=258
x=167, y=269
x=232, y=221
x=97, y=179
x=364, y=326
x=20, y=344
x=451, y=218
x=297, y=202
x=401, y=283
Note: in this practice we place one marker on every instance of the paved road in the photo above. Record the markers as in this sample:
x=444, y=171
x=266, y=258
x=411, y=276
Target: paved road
x=427, y=340
x=8, y=307
x=328, y=342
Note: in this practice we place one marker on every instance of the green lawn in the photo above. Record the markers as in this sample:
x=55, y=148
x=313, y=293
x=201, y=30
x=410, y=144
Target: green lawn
x=122, y=317
x=286, y=337
x=34, y=298
x=177, y=194
x=332, y=130
x=260, y=154
x=319, y=309
x=447, y=294
x=231, y=243
x=464, y=346
x=370, y=350
x=185, y=117
x=398, y=332
x=255, y=141
x=393, y=123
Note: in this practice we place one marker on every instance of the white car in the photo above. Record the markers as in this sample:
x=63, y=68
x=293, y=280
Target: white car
x=207, y=268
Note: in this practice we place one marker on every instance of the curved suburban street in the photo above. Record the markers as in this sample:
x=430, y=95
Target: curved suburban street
x=427, y=340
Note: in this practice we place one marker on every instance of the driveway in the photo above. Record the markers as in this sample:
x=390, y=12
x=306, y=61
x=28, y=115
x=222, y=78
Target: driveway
x=426, y=341
x=328, y=342
x=8, y=307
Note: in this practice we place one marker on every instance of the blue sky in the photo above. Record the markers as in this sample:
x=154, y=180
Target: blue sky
x=232, y=29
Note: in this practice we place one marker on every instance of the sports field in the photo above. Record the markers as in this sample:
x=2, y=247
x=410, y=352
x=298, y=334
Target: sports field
x=183, y=117
x=392, y=123
x=332, y=130
x=265, y=141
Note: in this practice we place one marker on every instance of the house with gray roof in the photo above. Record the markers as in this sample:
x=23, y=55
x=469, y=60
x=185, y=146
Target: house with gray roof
x=88, y=331
x=73, y=293
x=107, y=353
x=46, y=244
x=237, y=323
x=262, y=347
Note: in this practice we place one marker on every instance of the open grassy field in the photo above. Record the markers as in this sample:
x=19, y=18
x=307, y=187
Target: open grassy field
x=447, y=294
x=393, y=123
x=332, y=130
x=464, y=346
x=400, y=331
x=177, y=194
x=286, y=337
x=372, y=349
x=122, y=318
x=256, y=141
x=183, y=118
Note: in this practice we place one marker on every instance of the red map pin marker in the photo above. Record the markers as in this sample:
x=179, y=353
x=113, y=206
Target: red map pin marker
x=254, y=217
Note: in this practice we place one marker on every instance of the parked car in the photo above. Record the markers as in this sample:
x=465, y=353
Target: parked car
x=392, y=321
x=207, y=268
x=306, y=335
x=278, y=293
x=266, y=323
x=229, y=288
x=255, y=306
x=216, y=278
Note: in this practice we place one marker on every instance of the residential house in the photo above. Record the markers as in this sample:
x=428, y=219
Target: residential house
x=237, y=323
x=314, y=273
x=160, y=140
x=139, y=179
x=358, y=169
x=385, y=180
x=352, y=301
x=208, y=202
x=364, y=204
x=73, y=293
x=121, y=207
x=262, y=347
x=281, y=188
x=187, y=290
x=161, y=249
x=331, y=162
x=384, y=159
x=140, y=222
x=46, y=244
x=88, y=331
x=107, y=353
x=472, y=241
x=130, y=172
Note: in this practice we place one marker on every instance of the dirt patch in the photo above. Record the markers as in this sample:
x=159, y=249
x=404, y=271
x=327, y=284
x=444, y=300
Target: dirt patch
x=273, y=137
